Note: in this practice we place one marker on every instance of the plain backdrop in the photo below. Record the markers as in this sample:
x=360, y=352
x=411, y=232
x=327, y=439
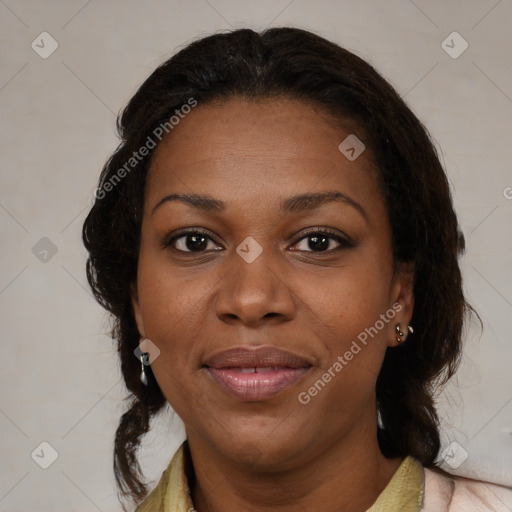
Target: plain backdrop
x=60, y=382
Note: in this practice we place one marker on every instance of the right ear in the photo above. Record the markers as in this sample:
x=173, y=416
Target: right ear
x=136, y=310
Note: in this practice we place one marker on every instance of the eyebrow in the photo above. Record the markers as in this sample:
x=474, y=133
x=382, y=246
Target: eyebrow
x=294, y=204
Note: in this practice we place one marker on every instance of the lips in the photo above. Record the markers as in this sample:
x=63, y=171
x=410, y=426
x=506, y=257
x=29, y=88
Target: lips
x=256, y=373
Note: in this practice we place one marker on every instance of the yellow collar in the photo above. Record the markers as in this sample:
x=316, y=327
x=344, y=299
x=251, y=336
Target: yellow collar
x=404, y=491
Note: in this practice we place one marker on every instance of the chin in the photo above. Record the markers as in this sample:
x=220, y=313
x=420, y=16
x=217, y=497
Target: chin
x=263, y=453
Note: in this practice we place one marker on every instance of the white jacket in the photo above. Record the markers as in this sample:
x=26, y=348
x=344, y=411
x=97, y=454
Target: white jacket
x=458, y=494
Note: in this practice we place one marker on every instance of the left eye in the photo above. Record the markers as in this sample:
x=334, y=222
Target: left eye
x=320, y=241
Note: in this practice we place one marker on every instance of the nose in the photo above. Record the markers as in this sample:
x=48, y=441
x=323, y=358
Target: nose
x=255, y=293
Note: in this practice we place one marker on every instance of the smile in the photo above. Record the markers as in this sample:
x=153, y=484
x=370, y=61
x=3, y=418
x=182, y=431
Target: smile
x=257, y=383
x=255, y=374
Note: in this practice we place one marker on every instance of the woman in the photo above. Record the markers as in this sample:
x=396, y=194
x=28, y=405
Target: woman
x=276, y=241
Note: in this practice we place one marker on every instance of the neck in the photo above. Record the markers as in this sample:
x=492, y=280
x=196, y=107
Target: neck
x=347, y=474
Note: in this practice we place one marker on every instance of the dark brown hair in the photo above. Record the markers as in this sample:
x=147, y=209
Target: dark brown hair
x=298, y=64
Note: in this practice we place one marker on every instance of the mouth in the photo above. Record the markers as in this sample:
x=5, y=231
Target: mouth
x=257, y=373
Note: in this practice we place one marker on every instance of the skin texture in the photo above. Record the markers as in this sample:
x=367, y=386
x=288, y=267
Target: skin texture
x=275, y=454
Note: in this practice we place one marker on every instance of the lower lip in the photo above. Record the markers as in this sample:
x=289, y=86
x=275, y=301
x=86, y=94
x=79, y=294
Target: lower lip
x=256, y=386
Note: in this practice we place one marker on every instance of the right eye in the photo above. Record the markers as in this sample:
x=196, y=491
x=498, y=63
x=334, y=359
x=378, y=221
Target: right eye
x=192, y=241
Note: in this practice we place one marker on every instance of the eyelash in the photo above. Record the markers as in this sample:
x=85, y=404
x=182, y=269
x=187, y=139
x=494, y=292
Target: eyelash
x=345, y=243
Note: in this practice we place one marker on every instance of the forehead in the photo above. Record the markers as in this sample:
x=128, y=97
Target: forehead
x=239, y=149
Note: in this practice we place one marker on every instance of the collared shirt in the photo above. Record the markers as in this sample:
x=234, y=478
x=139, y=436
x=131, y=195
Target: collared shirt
x=403, y=493
x=411, y=489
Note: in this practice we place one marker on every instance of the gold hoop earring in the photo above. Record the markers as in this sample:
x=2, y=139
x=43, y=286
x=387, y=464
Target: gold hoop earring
x=399, y=334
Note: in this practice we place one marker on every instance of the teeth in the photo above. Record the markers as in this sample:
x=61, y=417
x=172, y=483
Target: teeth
x=266, y=369
x=247, y=370
x=258, y=369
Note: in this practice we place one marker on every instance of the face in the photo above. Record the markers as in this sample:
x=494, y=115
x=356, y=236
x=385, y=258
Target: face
x=272, y=299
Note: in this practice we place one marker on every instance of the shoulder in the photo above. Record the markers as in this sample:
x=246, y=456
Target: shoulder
x=172, y=492
x=155, y=499
x=457, y=494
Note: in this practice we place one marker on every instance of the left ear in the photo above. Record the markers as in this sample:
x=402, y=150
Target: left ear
x=402, y=301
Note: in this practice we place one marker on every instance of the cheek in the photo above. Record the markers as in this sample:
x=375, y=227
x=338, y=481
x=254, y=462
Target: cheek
x=173, y=308
x=172, y=311
x=168, y=294
x=344, y=385
x=356, y=308
x=355, y=299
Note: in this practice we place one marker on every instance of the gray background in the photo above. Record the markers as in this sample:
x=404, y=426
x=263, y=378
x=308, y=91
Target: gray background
x=59, y=377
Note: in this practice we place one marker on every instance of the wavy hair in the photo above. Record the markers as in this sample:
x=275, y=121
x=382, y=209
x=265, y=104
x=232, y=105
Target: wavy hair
x=294, y=63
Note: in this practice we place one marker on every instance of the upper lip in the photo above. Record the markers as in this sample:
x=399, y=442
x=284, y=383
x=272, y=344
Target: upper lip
x=256, y=357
